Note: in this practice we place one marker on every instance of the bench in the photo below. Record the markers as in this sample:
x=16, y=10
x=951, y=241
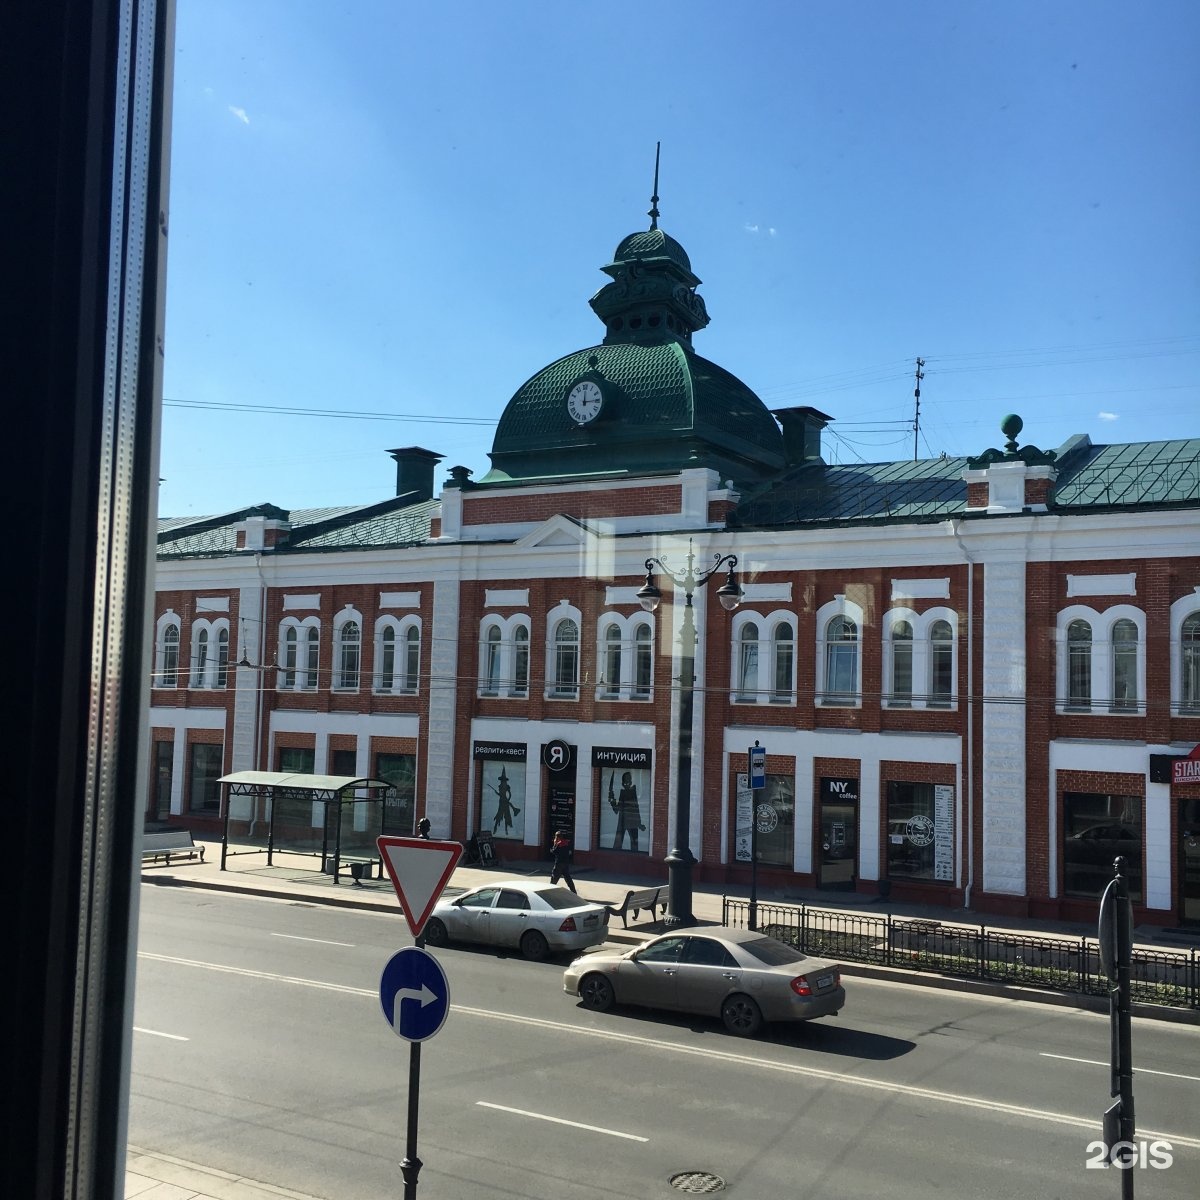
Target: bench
x=168, y=844
x=356, y=866
x=650, y=899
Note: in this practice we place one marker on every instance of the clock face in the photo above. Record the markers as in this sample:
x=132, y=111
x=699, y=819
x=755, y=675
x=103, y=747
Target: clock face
x=584, y=402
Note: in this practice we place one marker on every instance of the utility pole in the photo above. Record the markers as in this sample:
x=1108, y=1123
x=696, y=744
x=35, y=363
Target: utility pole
x=920, y=374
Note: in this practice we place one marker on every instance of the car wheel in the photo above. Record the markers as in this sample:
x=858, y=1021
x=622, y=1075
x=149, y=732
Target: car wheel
x=597, y=993
x=534, y=945
x=435, y=932
x=741, y=1016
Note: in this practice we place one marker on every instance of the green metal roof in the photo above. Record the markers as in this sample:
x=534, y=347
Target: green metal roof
x=1138, y=473
x=652, y=243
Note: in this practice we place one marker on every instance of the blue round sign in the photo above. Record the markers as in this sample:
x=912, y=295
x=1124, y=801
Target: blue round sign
x=414, y=993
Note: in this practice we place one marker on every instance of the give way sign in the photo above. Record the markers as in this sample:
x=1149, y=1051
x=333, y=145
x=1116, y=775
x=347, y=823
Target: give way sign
x=419, y=869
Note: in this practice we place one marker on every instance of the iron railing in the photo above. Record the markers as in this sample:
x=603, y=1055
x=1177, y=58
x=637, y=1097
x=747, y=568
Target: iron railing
x=1052, y=963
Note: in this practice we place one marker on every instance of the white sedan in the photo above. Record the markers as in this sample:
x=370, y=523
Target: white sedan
x=537, y=918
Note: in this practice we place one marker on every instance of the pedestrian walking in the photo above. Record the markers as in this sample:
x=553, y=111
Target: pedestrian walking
x=560, y=854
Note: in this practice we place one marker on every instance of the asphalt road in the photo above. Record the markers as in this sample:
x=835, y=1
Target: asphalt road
x=260, y=1047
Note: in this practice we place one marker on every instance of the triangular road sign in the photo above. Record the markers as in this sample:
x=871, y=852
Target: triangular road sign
x=420, y=870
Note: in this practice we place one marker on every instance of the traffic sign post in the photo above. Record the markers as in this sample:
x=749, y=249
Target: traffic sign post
x=413, y=990
x=757, y=756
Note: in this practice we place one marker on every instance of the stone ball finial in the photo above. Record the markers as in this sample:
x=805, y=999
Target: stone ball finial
x=1010, y=427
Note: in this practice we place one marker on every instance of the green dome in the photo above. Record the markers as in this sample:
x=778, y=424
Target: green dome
x=652, y=243
x=664, y=408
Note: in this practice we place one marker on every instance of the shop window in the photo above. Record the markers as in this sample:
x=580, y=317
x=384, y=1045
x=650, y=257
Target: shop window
x=297, y=760
x=920, y=831
x=204, y=769
x=775, y=819
x=399, y=804
x=164, y=779
x=1097, y=827
x=502, y=804
x=625, y=810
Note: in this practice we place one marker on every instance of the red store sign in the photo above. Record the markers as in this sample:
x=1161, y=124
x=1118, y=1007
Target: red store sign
x=1187, y=770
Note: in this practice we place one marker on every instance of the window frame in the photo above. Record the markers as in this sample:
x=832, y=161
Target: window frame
x=503, y=669
x=1185, y=656
x=166, y=651
x=625, y=649
x=758, y=656
x=1098, y=661
x=305, y=646
x=347, y=651
x=848, y=612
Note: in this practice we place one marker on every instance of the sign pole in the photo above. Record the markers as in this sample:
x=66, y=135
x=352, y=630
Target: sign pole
x=1116, y=953
x=410, y=1166
x=756, y=758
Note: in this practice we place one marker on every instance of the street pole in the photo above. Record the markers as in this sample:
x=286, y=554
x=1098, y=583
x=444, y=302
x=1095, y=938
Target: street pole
x=753, y=842
x=681, y=859
x=1116, y=954
x=410, y=1165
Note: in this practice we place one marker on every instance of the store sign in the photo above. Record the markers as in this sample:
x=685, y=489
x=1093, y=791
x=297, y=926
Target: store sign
x=1187, y=770
x=507, y=751
x=620, y=756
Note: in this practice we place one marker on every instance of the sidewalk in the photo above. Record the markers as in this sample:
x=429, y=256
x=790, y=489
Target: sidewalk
x=151, y=1176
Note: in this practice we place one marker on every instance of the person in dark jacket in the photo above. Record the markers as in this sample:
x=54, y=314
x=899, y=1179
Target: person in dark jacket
x=560, y=854
x=423, y=828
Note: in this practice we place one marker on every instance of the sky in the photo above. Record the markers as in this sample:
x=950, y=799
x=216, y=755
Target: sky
x=385, y=216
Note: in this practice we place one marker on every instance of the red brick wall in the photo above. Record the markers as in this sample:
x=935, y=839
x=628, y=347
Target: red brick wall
x=506, y=508
x=977, y=495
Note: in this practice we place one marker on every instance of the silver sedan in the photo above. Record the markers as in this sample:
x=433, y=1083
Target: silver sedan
x=742, y=977
x=536, y=918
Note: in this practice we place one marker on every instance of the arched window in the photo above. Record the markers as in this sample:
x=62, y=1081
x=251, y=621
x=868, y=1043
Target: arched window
x=299, y=644
x=168, y=656
x=410, y=682
x=520, y=684
x=783, y=652
x=491, y=660
x=611, y=667
x=643, y=661
x=312, y=642
x=841, y=661
x=1079, y=665
x=200, y=657
x=349, y=655
x=1124, y=665
x=747, y=670
x=566, y=659
x=385, y=671
x=223, y=656
x=291, y=637
x=941, y=664
x=1189, y=665
x=902, y=665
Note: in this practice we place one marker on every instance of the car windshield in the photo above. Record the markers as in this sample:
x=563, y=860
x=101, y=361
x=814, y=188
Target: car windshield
x=560, y=898
x=772, y=952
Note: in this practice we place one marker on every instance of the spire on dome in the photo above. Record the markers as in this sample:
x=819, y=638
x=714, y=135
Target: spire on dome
x=653, y=213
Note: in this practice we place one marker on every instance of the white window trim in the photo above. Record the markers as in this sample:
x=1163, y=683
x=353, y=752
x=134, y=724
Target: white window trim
x=507, y=686
x=839, y=606
x=768, y=623
x=628, y=626
x=1183, y=608
x=563, y=612
x=922, y=657
x=304, y=665
x=1102, y=666
x=401, y=684
x=167, y=620
x=214, y=628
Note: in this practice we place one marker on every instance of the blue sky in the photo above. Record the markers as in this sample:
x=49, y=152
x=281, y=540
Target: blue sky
x=385, y=209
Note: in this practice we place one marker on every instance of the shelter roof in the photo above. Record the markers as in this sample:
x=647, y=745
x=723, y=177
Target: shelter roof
x=299, y=782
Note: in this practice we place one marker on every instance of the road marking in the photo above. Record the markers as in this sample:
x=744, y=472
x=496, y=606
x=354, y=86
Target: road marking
x=295, y=937
x=522, y=1112
x=1095, y=1062
x=158, y=1033
x=628, y=1039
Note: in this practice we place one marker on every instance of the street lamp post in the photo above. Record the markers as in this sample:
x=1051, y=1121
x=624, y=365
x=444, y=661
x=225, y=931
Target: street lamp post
x=679, y=861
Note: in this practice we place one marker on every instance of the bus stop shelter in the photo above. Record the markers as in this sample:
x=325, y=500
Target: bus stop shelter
x=332, y=817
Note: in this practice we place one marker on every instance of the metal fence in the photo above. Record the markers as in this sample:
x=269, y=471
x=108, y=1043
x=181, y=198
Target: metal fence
x=1059, y=964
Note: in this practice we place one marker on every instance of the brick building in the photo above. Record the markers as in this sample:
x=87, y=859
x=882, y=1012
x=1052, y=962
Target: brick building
x=971, y=676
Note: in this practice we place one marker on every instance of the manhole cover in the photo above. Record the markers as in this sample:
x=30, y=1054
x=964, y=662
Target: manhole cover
x=697, y=1183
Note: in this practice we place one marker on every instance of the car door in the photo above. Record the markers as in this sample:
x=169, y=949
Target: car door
x=706, y=974
x=472, y=917
x=649, y=976
x=510, y=917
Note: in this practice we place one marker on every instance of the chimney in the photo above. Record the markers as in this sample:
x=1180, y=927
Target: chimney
x=414, y=472
x=801, y=433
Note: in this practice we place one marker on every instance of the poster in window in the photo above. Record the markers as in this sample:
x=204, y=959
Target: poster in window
x=775, y=821
x=503, y=801
x=624, y=809
x=943, y=832
x=742, y=818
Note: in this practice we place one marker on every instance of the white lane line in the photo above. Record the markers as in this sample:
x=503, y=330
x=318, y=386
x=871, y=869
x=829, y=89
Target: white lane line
x=627, y=1039
x=175, y=1037
x=521, y=1112
x=1095, y=1062
x=295, y=937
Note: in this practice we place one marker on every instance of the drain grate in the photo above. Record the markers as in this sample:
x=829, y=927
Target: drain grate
x=697, y=1183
